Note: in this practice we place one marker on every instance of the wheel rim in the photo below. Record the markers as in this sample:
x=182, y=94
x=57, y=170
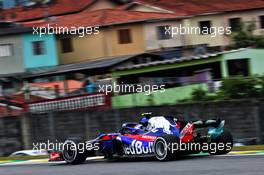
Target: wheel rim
x=68, y=153
x=160, y=149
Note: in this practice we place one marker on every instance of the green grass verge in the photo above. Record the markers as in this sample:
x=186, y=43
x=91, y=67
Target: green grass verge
x=248, y=148
x=23, y=158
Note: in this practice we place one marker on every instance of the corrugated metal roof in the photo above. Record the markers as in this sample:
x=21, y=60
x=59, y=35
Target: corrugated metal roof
x=170, y=53
x=87, y=65
x=177, y=60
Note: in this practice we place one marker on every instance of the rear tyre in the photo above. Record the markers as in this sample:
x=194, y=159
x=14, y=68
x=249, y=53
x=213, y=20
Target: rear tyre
x=71, y=153
x=226, y=141
x=163, y=147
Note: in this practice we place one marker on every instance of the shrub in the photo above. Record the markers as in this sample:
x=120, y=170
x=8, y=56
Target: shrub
x=238, y=87
x=199, y=94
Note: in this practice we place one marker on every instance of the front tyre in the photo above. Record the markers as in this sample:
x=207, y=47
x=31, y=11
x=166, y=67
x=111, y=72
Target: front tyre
x=163, y=147
x=71, y=152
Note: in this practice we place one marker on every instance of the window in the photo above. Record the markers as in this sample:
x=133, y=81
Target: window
x=6, y=50
x=162, y=32
x=238, y=67
x=205, y=27
x=261, y=18
x=124, y=36
x=66, y=45
x=234, y=23
x=38, y=47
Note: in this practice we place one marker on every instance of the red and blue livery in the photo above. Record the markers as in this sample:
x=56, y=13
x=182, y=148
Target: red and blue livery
x=153, y=136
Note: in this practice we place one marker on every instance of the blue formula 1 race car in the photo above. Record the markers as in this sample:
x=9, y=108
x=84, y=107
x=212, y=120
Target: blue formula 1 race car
x=162, y=137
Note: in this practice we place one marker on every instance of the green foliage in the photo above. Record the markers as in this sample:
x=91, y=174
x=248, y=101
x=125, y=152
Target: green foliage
x=244, y=37
x=238, y=87
x=199, y=94
x=232, y=88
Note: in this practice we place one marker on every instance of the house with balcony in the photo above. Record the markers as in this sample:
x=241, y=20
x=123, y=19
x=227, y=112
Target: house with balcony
x=42, y=94
x=180, y=76
x=21, y=51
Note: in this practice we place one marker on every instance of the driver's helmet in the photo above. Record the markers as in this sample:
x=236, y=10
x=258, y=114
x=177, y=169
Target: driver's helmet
x=144, y=121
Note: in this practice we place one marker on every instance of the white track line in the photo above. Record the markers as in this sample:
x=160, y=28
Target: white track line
x=45, y=161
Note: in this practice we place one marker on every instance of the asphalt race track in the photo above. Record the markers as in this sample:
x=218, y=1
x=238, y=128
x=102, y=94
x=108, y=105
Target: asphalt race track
x=215, y=165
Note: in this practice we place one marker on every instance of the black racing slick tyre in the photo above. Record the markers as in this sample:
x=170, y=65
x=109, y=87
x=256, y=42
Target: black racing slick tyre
x=223, y=144
x=71, y=152
x=163, y=145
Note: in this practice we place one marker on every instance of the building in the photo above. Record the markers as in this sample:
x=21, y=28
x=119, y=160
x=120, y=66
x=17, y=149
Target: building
x=181, y=76
x=142, y=27
x=208, y=14
x=20, y=50
x=111, y=36
x=123, y=29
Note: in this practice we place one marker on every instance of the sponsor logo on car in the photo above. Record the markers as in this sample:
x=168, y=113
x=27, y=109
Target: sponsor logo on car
x=160, y=123
x=148, y=137
x=137, y=148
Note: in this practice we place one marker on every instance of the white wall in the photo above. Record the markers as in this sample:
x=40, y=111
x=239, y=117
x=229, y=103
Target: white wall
x=221, y=20
x=151, y=36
